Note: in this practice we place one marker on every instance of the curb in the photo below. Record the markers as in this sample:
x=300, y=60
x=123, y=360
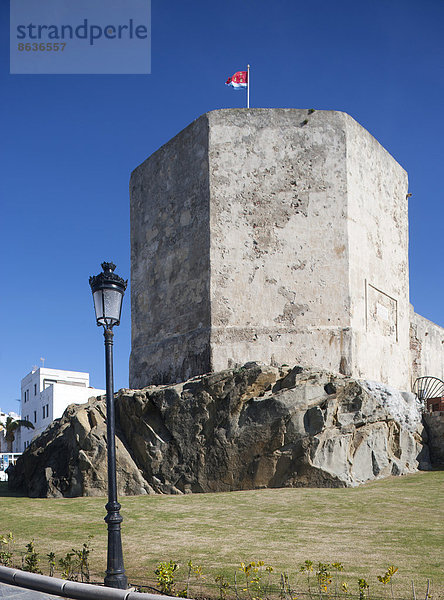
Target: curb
x=71, y=589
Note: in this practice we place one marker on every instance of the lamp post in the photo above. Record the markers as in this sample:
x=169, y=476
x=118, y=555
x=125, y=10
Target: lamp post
x=108, y=290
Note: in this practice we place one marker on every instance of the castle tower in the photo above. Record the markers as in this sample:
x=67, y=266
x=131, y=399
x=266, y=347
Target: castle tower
x=278, y=235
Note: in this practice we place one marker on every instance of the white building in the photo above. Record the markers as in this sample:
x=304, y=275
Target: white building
x=45, y=393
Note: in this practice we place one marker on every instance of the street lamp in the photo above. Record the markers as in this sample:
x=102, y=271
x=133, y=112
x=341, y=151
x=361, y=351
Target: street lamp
x=108, y=290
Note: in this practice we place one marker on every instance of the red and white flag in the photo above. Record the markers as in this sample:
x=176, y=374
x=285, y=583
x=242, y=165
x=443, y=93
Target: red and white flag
x=238, y=81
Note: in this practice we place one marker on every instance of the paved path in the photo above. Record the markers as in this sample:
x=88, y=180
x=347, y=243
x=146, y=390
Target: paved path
x=17, y=593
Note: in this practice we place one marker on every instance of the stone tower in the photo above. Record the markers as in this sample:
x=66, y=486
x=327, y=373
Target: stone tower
x=277, y=235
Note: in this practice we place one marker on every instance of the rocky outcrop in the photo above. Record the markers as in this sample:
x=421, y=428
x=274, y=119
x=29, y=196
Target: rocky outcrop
x=254, y=427
x=70, y=458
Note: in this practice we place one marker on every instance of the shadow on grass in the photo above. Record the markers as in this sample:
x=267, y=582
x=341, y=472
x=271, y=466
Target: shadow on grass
x=5, y=492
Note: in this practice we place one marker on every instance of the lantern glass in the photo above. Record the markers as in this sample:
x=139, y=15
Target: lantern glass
x=108, y=305
x=98, y=305
x=112, y=301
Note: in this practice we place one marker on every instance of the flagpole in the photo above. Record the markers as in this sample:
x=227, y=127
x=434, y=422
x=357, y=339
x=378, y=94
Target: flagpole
x=248, y=86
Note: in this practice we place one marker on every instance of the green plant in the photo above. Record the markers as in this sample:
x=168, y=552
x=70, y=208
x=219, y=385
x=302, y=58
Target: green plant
x=387, y=578
x=68, y=567
x=193, y=570
x=165, y=577
x=82, y=557
x=223, y=586
x=283, y=586
x=323, y=577
x=253, y=579
x=338, y=568
x=362, y=585
x=31, y=559
x=285, y=591
x=76, y=563
x=6, y=549
x=51, y=563
x=307, y=568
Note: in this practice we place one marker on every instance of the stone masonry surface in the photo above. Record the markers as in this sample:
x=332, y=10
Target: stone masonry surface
x=271, y=235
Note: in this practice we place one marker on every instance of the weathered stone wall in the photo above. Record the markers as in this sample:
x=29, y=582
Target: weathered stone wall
x=427, y=347
x=378, y=257
x=170, y=260
x=279, y=266
x=271, y=235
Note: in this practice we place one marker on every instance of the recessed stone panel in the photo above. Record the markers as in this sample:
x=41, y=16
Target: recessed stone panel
x=382, y=313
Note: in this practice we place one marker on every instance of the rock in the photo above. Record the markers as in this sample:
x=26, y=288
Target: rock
x=70, y=458
x=253, y=427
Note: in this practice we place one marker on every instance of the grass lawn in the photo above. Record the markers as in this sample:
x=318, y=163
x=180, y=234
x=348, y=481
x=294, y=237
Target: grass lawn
x=397, y=521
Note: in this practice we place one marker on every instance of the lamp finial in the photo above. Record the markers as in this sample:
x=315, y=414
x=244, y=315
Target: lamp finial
x=108, y=266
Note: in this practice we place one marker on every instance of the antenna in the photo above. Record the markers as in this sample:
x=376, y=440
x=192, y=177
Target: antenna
x=43, y=361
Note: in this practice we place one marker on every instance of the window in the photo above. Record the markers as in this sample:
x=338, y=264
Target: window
x=35, y=389
x=35, y=416
x=26, y=398
x=45, y=411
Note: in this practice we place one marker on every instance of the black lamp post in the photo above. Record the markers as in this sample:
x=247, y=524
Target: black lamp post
x=108, y=290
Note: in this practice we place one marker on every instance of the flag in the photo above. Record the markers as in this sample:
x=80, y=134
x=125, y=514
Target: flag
x=239, y=80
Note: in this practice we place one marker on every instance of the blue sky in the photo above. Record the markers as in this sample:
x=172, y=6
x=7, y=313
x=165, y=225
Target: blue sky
x=70, y=142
